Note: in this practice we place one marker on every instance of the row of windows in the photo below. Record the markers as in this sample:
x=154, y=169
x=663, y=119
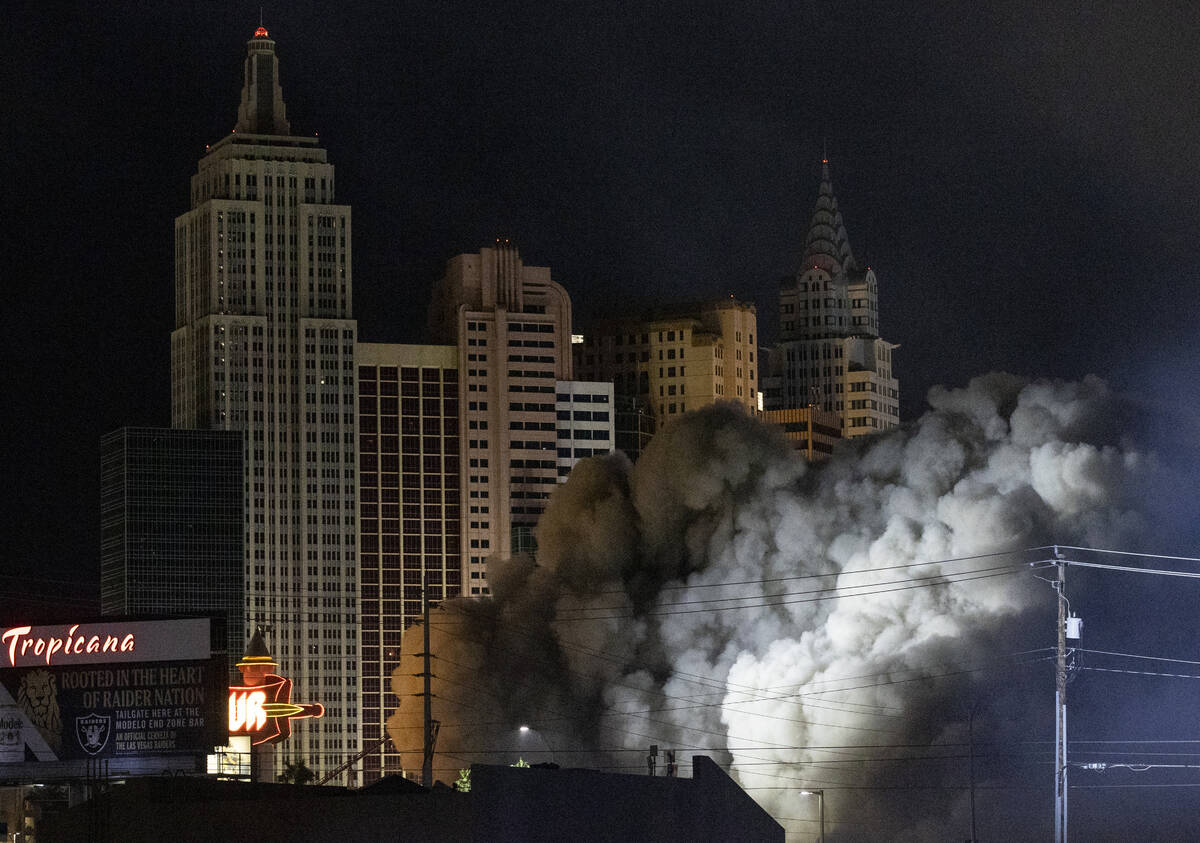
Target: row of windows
x=583, y=415
x=815, y=322
x=581, y=453
x=827, y=352
x=583, y=433
x=516, y=407
x=582, y=398
x=528, y=327
x=529, y=425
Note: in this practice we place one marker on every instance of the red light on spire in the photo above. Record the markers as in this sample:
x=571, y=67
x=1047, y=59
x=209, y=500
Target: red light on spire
x=261, y=32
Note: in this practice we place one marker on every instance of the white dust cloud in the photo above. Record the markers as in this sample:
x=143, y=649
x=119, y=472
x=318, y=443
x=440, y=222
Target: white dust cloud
x=613, y=641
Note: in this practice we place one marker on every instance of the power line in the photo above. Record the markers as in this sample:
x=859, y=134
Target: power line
x=782, y=697
x=1126, y=553
x=827, y=594
x=1132, y=570
x=1135, y=656
x=771, y=599
x=685, y=586
x=1140, y=672
x=1131, y=785
x=1151, y=740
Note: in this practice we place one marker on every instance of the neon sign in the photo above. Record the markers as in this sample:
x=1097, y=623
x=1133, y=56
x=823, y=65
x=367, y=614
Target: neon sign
x=263, y=707
x=20, y=642
x=58, y=645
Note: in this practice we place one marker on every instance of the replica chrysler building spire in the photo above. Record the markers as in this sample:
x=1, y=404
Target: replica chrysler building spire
x=826, y=243
x=830, y=355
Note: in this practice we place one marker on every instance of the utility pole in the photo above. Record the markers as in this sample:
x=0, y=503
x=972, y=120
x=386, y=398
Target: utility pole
x=1060, y=706
x=427, y=765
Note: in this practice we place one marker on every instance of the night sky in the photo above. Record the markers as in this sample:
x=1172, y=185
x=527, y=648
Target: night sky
x=1023, y=180
x=1023, y=177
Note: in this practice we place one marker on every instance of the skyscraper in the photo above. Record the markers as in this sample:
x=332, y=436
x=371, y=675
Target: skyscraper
x=409, y=483
x=512, y=326
x=830, y=355
x=585, y=420
x=171, y=522
x=672, y=359
x=264, y=344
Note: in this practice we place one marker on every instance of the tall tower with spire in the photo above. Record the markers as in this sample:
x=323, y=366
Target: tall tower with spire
x=264, y=344
x=830, y=354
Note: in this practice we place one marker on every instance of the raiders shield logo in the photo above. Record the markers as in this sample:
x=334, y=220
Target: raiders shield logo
x=92, y=731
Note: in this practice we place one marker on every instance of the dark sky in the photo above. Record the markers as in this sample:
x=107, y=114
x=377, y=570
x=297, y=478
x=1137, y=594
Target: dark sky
x=1023, y=180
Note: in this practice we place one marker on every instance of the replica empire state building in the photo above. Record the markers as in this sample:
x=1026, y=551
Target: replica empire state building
x=264, y=344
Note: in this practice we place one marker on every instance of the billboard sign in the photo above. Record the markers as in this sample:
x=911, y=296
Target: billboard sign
x=104, y=643
x=109, y=690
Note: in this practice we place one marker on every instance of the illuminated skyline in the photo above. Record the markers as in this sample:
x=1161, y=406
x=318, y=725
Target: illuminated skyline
x=1021, y=177
x=1026, y=215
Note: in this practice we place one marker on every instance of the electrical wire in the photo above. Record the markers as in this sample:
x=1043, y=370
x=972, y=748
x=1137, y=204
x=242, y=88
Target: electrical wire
x=1135, y=656
x=685, y=586
x=920, y=677
x=722, y=703
x=1131, y=570
x=1132, y=785
x=772, y=599
x=827, y=594
x=1141, y=672
x=1126, y=553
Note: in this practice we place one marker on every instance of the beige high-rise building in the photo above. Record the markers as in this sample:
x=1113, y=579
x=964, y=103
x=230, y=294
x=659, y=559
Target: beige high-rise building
x=830, y=355
x=676, y=358
x=585, y=422
x=264, y=344
x=511, y=324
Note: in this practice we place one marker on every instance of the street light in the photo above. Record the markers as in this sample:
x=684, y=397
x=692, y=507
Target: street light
x=820, y=794
x=524, y=729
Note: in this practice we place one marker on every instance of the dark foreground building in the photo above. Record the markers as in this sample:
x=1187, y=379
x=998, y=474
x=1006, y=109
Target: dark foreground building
x=171, y=522
x=504, y=804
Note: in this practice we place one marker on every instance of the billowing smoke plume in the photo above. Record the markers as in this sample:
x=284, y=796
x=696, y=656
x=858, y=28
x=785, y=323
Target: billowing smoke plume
x=687, y=601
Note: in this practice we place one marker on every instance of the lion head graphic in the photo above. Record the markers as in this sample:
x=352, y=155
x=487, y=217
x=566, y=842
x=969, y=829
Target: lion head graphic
x=38, y=697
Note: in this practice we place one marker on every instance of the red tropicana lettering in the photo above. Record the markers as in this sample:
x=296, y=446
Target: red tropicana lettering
x=20, y=643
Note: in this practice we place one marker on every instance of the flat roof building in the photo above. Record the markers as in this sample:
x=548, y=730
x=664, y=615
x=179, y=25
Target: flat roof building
x=410, y=523
x=171, y=525
x=504, y=805
x=674, y=358
x=813, y=432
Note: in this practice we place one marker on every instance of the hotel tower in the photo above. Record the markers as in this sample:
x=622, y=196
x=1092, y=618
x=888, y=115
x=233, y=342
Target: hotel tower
x=830, y=355
x=264, y=345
